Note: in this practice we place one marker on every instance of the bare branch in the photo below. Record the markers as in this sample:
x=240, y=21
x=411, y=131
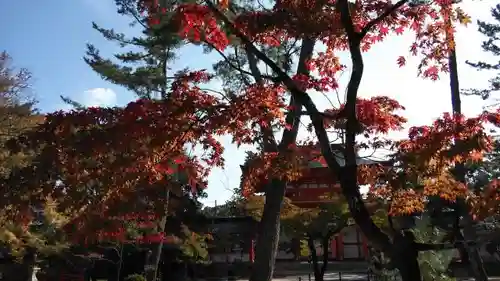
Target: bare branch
x=236, y=67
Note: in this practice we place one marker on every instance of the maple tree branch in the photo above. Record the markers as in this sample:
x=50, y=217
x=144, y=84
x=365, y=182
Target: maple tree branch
x=381, y=17
x=235, y=67
x=354, y=41
x=293, y=118
x=252, y=63
x=348, y=174
x=282, y=76
x=243, y=77
x=329, y=115
x=269, y=140
x=346, y=19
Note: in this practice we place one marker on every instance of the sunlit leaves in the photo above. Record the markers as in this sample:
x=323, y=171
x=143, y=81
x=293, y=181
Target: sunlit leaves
x=486, y=203
x=377, y=115
x=437, y=144
x=267, y=166
x=424, y=162
x=445, y=187
x=430, y=21
x=406, y=201
x=98, y=158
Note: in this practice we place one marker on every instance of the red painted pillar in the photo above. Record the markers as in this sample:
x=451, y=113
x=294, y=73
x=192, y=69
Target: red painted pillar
x=340, y=251
x=251, y=252
x=333, y=247
x=365, y=247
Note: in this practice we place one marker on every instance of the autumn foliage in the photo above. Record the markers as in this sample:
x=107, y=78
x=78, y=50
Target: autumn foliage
x=96, y=162
x=424, y=162
x=321, y=20
x=428, y=153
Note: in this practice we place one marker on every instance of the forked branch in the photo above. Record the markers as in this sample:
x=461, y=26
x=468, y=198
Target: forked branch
x=381, y=17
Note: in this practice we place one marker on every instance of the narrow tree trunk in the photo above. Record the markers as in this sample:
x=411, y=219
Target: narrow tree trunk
x=312, y=248
x=154, y=256
x=325, y=243
x=268, y=233
x=475, y=260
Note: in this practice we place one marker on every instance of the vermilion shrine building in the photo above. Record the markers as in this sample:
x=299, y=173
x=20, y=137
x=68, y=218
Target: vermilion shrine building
x=308, y=192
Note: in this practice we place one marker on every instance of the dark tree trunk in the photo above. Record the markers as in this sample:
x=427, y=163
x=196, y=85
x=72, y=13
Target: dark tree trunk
x=409, y=269
x=404, y=256
x=268, y=233
x=325, y=243
x=28, y=265
x=474, y=258
x=318, y=276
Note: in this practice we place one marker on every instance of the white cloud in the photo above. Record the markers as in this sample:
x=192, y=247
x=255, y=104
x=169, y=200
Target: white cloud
x=98, y=97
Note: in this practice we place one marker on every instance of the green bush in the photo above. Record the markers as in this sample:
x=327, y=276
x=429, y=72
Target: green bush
x=135, y=277
x=433, y=264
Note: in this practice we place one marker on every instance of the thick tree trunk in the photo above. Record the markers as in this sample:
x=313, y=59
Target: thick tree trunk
x=268, y=233
x=404, y=256
x=409, y=270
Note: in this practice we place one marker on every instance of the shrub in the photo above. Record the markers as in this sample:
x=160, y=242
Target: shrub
x=135, y=277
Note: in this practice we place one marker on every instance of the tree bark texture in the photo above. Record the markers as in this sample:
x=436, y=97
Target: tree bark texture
x=314, y=258
x=268, y=233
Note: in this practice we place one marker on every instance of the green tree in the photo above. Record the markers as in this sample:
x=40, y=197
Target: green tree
x=144, y=68
x=17, y=113
x=491, y=30
x=233, y=207
x=310, y=225
x=18, y=116
x=433, y=264
x=318, y=225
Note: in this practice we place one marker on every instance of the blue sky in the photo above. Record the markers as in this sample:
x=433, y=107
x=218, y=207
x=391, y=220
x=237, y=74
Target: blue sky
x=48, y=37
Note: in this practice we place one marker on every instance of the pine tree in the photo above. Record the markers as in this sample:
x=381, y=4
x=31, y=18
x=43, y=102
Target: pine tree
x=490, y=45
x=144, y=68
x=18, y=116
x=17, y=113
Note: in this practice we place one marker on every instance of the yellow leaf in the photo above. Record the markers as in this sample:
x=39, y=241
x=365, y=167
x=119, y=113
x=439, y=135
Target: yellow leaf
x=465, y=20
